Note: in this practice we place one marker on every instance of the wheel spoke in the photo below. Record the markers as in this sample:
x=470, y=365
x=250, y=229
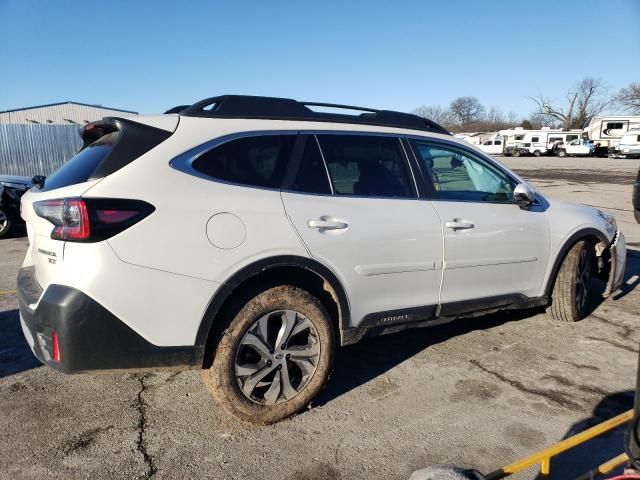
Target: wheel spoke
x=272, y=394
x=248, y=369
x=305, y=366
x=263, y=328
x=287, y=389
x=253, y=341
x=288, y=323
x=251, y=382
x=306, y=351
x=301, y=326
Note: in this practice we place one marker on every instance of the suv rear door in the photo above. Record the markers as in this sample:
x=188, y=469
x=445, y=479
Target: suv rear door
x=353, y=202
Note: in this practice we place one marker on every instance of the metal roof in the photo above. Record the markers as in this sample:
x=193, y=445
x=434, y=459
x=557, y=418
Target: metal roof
x=61, y=113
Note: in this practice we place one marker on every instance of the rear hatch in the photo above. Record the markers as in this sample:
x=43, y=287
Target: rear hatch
x=108, y=145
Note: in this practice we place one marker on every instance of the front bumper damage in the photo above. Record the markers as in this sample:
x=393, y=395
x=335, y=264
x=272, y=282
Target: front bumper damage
x=618, y=261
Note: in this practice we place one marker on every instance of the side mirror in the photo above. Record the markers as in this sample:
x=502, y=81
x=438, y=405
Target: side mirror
x=38, y=181
x=523, y=195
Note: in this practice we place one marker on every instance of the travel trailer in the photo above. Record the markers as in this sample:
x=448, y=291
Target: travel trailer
x=629, y=146
x=538, y=142
x=606, y=132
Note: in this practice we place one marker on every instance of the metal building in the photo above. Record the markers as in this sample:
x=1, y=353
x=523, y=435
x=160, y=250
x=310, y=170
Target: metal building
x=62, y=113
x=37, y=140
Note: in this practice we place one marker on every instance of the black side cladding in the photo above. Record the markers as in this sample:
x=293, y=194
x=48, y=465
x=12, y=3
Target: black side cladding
x=135, y=140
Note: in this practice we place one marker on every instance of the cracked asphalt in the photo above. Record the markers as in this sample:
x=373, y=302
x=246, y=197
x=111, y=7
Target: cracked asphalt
x=477, y=393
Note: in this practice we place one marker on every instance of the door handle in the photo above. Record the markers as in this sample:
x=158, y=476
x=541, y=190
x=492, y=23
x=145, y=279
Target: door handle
x=327, y=224
x=457, y=224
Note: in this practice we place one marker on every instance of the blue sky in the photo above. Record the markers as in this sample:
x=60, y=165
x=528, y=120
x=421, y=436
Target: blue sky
x=149, y=56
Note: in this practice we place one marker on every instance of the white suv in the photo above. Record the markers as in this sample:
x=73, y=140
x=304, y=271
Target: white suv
x=250, y=236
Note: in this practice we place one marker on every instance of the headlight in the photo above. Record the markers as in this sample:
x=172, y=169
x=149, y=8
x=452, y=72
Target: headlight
x=609, y=220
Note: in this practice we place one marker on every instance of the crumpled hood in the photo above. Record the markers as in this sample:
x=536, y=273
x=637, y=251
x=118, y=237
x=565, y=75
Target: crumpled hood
x=26, y=181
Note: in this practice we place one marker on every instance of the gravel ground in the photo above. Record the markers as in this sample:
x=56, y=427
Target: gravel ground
x=477, y=393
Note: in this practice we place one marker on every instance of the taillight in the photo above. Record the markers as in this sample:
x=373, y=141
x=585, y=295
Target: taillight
x=55, y=347
x=90, y=219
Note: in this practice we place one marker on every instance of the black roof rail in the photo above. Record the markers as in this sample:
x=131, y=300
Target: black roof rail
x=273, y=108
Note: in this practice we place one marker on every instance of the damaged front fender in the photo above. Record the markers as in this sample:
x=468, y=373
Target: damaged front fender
x=618, y=261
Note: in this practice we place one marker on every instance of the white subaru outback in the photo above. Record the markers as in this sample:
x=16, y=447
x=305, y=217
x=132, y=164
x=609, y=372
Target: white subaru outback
x=250, y=236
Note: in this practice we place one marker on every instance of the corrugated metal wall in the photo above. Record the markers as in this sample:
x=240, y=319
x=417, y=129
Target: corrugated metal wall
x=36, y=149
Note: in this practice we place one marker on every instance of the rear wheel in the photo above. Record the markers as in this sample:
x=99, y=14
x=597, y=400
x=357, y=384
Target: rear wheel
x=570, y=296
x=516, y=153
x=5, y=223
x=274, y=357
x=537, y=153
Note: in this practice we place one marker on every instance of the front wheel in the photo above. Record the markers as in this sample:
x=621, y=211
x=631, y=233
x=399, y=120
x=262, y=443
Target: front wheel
x=562, y=153
x=516, y=153
x=570, y=296
x=274, y=357
x=5, y=223
x=537, y=153
x=636, y=214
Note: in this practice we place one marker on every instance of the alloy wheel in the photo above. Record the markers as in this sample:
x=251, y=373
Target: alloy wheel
x=277, y=357
x=4, y=221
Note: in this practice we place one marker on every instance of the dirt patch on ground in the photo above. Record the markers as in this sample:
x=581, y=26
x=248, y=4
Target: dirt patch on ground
x=577, y=176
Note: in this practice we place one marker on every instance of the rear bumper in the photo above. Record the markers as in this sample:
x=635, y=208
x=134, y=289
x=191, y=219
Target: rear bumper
x=89, y=336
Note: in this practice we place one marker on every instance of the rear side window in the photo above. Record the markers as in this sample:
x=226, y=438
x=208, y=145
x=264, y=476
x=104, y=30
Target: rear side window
x=259, y=161
x=365, y=165
x=81, y=167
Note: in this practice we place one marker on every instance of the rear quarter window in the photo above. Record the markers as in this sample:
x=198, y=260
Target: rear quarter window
x=259, y=161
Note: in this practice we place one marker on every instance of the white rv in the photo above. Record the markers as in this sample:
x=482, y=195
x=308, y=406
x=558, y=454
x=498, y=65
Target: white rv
x=629, y=145
x=538, y=142
x=606, y=132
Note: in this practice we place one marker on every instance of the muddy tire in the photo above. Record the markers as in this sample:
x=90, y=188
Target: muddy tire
x=275, y=356
x=516, y=153
x=562, y=153
x=570, y=296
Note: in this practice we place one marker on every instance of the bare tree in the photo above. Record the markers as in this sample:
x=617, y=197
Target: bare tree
x=584, y=101
x=629, y=98
x=513, y=119
x=435, y=113
x=466, y=110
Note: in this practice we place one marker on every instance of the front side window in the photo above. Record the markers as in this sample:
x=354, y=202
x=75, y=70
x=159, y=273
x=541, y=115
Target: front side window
x=459, y=175
x=497, y=142
x=369, y=166
x=259, y=161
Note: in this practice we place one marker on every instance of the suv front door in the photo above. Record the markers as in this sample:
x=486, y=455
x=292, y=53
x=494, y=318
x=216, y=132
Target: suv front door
x=353, y=202
x=495, y=252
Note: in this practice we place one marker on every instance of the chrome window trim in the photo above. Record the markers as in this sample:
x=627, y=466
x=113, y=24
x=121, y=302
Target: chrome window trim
x=184, y=161
x=324, y=162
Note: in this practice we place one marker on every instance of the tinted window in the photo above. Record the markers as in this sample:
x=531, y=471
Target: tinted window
x=459, y=175
x=614, y=126
x=312, y=174
x=498, y=142
x=366, y=165
x=82, y=165
x=571, y=137
x=535, y=139
x=518, y=137
x=257, y=161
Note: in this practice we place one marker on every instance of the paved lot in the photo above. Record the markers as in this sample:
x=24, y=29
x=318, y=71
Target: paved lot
x=479, y=393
